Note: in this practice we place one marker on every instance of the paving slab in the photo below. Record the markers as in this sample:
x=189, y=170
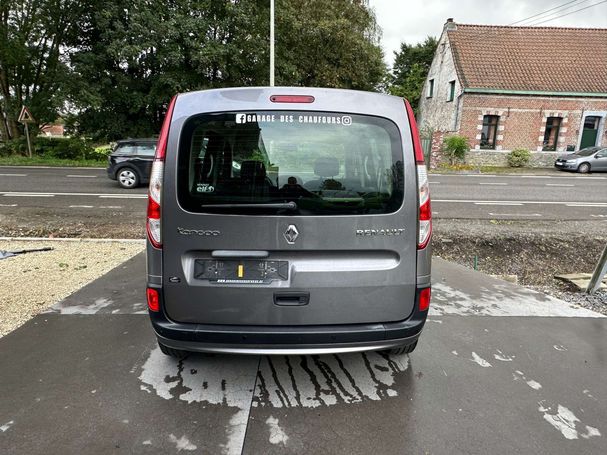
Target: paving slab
x=88, y=377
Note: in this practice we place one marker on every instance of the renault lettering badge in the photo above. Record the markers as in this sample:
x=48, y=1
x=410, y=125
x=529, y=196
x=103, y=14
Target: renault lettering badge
x=291, y=234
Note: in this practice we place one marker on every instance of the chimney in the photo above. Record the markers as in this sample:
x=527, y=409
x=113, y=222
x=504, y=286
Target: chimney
x=450, y=25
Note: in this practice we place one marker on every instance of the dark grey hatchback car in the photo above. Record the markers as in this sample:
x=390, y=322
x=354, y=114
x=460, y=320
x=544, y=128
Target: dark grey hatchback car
x=130, y=163
x=288, y=221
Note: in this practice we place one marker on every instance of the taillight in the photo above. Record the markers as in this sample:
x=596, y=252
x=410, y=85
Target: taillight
x=423, y=186
x=425, y=209
x=292, y=99
x=424, y=299
x=155, y=188
x=153, y=299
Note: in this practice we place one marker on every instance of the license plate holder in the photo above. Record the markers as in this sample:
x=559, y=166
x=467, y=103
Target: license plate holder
x=234, y=271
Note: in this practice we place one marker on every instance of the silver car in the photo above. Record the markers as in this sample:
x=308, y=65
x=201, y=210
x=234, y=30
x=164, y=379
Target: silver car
x=288, y=221
x=591, y=159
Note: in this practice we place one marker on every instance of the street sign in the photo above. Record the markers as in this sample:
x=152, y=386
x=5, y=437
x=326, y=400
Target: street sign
x=25, y=116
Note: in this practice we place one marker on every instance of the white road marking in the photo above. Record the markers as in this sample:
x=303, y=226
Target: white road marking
x=13, y=175
x=81, y=206
x=598, y=204
x=101, y=195
x=594, y=216
x=560, y=184
x=110, y=206
x=493, y=183
x=525, y=176
x=8, y=205
x=29, y=195
x=473, y=201
x=124, y=196
x=514, y=214
x=6, y=426
x=497, y=203
x=434, y=183
x=82, y=176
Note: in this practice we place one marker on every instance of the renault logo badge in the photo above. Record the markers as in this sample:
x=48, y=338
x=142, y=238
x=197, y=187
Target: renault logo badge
x=291, y=234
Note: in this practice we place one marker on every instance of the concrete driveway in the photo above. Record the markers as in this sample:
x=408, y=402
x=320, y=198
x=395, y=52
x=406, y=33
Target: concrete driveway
x=499, y=369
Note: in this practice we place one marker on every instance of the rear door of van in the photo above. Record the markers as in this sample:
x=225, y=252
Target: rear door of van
x=289, y=207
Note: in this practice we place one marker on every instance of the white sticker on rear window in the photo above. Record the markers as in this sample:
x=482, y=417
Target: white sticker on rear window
x=204, y=188
x=345, y=120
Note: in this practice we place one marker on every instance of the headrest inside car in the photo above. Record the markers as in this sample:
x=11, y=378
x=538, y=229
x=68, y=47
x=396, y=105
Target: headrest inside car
x=252, y=170
x=326, y=167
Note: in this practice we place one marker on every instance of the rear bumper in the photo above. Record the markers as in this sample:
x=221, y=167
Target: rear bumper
x=287, y=340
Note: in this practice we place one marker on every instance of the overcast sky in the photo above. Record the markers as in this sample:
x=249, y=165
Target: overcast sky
x=412, y=20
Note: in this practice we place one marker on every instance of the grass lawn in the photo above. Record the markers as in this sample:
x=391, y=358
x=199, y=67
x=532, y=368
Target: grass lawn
x=17, y=160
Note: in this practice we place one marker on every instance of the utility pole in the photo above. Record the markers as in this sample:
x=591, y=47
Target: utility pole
x=598, y=274
x=271, y=43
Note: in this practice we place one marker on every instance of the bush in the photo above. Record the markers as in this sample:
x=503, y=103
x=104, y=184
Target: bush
x=519, y=158
x=455, y=148
x=69, y=148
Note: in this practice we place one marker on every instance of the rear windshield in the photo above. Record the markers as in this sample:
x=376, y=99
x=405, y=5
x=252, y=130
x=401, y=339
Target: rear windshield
x=290, y=163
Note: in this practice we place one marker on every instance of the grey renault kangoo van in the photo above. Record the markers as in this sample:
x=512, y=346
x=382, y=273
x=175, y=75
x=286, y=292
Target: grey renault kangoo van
x=288, y=221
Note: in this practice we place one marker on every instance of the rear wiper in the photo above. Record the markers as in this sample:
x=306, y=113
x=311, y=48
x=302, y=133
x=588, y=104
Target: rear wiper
x=268, y=205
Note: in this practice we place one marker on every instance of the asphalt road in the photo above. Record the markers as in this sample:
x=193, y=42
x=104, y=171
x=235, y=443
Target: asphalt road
x=75, y=193
x=499, y=369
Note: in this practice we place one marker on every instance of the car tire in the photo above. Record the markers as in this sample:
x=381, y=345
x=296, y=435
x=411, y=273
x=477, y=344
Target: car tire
x=583, y=168
x=402, y=349
x=127, y=178
x=175, y=353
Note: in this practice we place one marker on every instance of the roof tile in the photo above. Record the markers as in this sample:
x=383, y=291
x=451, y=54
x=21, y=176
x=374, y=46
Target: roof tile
x=552, y=59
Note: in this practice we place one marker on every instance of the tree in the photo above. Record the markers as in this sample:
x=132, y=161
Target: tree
x=328, y=44
x=34, y=35
x=411, y=66
x=133, y=58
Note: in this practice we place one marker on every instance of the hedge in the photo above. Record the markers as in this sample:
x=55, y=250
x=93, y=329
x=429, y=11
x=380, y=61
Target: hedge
x=70, y=148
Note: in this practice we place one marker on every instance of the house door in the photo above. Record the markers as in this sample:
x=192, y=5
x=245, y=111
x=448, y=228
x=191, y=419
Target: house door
x=590, y=131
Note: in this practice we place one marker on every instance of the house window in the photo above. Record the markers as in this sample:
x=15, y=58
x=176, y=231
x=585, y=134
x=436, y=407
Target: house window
x=551, y=135
x=430, y=88
x=451, y=91
x=489, y=132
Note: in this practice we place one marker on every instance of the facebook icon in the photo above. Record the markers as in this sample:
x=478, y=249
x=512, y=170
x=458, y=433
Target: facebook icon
x=241, y=118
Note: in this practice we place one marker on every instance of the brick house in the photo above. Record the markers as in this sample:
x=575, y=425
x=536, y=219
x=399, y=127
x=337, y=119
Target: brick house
x=504, y=87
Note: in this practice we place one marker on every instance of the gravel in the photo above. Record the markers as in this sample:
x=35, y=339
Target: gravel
x=32, y=282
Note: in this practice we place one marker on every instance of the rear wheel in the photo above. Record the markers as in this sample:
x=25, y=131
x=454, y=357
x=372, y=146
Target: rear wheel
x=402, y=349
x=176, y=353
x=584, y=168
x=128, y=178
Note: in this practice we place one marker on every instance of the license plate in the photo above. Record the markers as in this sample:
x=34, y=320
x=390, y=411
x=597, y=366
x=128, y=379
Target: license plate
x=244, y=271
x=558, y=164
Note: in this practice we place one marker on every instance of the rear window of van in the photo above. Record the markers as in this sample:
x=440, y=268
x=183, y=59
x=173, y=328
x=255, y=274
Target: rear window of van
x=290, y=163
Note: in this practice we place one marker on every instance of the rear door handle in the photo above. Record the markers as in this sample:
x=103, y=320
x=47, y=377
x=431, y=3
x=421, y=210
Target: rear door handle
x=291, y=298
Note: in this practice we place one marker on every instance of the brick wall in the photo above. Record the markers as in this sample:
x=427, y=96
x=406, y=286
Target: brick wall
x=522, y=119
